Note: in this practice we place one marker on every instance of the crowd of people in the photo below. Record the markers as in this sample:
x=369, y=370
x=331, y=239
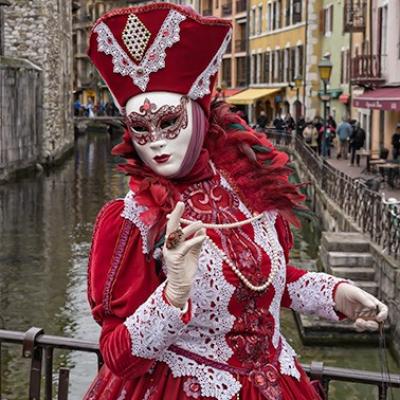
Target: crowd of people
x=92, y=109
x=346, y=137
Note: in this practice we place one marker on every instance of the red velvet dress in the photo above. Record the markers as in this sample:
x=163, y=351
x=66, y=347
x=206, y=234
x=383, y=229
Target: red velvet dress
x=228, y=344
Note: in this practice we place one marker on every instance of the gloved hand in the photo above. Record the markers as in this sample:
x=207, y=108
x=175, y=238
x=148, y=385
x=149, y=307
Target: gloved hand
x=363, y=308
x=182, y=261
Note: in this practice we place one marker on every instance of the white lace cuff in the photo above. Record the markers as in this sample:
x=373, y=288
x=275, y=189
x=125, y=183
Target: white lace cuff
x=154, y=326
x=313, y=294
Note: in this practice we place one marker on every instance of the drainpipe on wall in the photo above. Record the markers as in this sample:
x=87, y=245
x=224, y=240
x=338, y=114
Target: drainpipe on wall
x=351, y=33
x=2, y=3
x=305, y=62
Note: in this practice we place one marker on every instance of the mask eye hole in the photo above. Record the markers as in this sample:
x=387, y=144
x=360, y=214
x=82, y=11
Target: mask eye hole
x=138, y=129
x=168, y=122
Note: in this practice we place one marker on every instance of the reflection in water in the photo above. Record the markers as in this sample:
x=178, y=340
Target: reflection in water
x=45, y=229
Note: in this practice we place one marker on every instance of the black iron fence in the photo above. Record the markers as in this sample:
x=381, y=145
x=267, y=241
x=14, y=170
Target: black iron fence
x=367, y=208
x=40, y=347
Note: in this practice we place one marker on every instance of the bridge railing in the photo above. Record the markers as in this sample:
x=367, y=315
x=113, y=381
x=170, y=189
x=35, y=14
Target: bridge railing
x=39, y=348
x=377, y=219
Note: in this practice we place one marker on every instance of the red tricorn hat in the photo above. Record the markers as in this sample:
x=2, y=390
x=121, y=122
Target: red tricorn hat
x=159, y=47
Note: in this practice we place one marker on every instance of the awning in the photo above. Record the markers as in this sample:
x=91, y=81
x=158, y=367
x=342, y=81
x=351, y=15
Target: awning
x=249, y=96
x=344, y=98
x=380, y=99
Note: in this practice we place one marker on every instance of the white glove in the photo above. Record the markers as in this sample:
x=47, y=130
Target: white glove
x=182, y=261
x=363, y=308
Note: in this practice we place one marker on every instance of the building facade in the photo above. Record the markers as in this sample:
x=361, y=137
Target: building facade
x=335, y=44
x=375, y=73
x=233, y=75
x=277, y=55
x=41, y=32
x=88, y=85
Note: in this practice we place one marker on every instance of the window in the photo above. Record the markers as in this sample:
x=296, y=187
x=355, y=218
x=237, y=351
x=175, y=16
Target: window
x=278, y=14
x=241, y=71
x=254, y=68
x=276, y=21
x=292, y=64
x=259, y=21
x=269, y=17
x=267, y=67
x=328, y=20
x=226, y=71
x=273, y=66
x=344, y=66
x=300, y=52
x=253, y=22
x=297, y=11
x=286, y=67
x=289, y=5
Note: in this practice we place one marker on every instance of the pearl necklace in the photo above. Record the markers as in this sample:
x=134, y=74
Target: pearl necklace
x=226, y=226
x=274, y=264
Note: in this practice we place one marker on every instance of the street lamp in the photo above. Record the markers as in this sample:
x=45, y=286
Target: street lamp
x=325, y=70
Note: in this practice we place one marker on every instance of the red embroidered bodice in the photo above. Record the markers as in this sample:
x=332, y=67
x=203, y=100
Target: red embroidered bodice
x=228, y=327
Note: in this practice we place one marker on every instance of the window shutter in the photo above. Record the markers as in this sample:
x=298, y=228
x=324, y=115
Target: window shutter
x=331, y=16
x=322, y=21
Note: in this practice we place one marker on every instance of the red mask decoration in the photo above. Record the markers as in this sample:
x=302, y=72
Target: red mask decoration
x=152, y=125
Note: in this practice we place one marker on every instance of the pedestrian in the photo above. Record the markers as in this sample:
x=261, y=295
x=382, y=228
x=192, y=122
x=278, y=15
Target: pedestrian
x=317, y=122
x=77, y=108
x=219, y=95
x=289, y=125
x=262, y=120
x=187, y=273
x=310, y=134
x=242, y=115
x=326, y=141
x=396, y=143
x=357, y=140
x=300, y=126
x=344, y=132
x=279, y=126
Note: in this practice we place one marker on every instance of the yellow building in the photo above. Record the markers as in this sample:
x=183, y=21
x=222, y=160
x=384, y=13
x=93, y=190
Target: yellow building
x=233, y=76
x=276, y=58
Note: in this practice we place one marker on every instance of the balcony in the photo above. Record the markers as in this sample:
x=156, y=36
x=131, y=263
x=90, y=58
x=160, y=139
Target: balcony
x=366, y=70
x=240, y=45
x=227, y=10
x=241, y=6
x=355, y=14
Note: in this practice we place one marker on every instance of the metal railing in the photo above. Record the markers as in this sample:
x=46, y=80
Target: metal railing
x=39, y=348
x=366, y=67
x=377, y=219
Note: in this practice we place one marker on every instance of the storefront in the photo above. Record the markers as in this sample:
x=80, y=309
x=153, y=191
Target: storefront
x=384, y=104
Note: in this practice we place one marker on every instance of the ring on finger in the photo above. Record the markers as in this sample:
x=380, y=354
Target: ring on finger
x=174, y=238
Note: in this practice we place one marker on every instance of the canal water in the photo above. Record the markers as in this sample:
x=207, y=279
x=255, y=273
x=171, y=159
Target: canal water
x=46, y=225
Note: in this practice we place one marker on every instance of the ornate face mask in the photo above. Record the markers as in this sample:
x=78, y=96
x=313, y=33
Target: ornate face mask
x=160, y=124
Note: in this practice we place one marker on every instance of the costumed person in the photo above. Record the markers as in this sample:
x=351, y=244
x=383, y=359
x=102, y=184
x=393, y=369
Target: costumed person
x=187, y=273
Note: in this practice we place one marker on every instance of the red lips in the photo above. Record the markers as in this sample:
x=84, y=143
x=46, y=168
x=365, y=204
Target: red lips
x=162, y=159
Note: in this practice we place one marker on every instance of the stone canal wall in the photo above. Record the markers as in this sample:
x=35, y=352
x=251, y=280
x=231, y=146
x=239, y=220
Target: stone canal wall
x=387, y=269
x=21, y=127
x=41, y=32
